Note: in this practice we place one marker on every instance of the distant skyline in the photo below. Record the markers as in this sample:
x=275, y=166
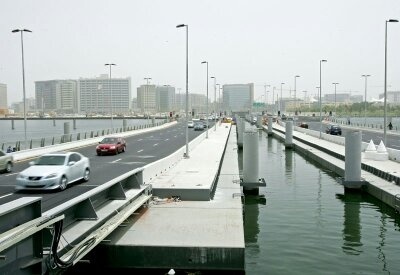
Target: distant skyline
x=260, y=42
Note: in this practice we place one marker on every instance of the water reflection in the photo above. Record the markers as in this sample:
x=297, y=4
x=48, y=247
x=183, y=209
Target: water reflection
x=351, y=225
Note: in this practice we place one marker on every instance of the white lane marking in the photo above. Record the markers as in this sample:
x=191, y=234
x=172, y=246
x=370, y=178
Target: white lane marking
x=151, y=136
x=167, y=139
x=6, y=195
x=174, y=136
x=140, y=151
x=12, y=174
x=155, y=144
x=395, y=146
x=115, y=160
x=140, y=139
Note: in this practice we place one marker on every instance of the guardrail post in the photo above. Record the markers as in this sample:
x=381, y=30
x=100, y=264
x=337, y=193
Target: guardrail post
x=66, y=131
x=54, y=122
x=289, y=134
x=241, y=126
x=12, y=124
x=124, y=123
x=269, y=126
x=74, y=123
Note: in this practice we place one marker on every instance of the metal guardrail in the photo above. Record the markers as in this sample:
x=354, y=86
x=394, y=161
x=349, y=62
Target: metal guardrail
x=42, y=142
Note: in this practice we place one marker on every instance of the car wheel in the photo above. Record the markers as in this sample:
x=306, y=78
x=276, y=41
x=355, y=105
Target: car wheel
x=98, y=154
x=86, y=175
x=8, y=167
x=116, y=151
x=63, y=183
x=124, y=149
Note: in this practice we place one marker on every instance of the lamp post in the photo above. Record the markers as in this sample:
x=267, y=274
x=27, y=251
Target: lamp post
x=295, y=101
x=109, y=86
x=23, y=79
x=218, y=107
x=385, y=86
x=206, y=62
x=265, y=94
x=273, y=100
x=219, y=99
x=320, y=96
x=280, y=101
x=335, y=83
x=187, y=87
x=365, y=99
x=215, y=102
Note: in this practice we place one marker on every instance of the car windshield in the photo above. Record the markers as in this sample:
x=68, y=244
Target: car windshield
x=108, y=141
x=50, y=160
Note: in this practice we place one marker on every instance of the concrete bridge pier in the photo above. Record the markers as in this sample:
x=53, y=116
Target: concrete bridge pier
x=12, y=124
x=289, y=135
x=124, y=123
x=269, y=126
x=241, y=126
x=66, y=131
x=352, y=172
x=74, y=123
x=250, y=180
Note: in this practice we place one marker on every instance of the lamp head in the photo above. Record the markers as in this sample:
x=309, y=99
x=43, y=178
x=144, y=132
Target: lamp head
x=204, y=62
x=392, y=21
x=324, y=60
x=180, y=25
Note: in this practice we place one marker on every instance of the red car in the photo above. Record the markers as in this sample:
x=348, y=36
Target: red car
x=111, y=145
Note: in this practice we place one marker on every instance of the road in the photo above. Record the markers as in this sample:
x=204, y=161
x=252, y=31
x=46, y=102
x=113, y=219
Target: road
x=393, y=140
x=141, y=150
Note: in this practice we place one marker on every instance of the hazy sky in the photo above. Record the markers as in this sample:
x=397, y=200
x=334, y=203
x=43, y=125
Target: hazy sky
x=260, y=42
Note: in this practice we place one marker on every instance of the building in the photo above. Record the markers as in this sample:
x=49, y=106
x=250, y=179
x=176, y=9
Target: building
x=103, y=95
x=3, y=100
x=165, y=98
x=391, y=97
x=59, y=96
x=238, y=97
x=147, y=99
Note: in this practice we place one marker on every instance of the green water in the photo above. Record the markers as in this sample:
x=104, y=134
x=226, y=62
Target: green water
x=304, y=223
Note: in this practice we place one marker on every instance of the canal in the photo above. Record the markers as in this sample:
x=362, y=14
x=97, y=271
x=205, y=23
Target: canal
x=304, y=223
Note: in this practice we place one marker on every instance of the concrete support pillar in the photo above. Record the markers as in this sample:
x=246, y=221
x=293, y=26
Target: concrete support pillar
x=289, y=134
x=259, y=121
x=250, y=156
x=241, y=126
x=54, y=122
x=153, y=120
x=67, y=130
x=74, y=124
x=352, y=172
x=269, y=126
x=124, y=123
x=12, y=124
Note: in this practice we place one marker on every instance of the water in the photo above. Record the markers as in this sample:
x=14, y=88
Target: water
x=305, y=224
x=37, y=129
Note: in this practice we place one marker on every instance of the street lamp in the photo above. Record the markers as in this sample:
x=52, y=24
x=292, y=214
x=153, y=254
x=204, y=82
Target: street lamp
x=280, y=102
x=206, y=62
x=109, y=85
x=215, y=102
x=218, y=106
x=335, y=83
x=320, y=98
x=23, y=80
x=187, y=87
x=265, y=94
x=385, y=86
x=273, y=100
x=295, y=101
x=146, y=92
x=365, y=100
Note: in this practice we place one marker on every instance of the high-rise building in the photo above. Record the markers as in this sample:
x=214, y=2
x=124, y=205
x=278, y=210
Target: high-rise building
x=104, y=95
x=165, y=98
x=147, y=99
x=56, y=95
x=238, y=97
x=3, y=96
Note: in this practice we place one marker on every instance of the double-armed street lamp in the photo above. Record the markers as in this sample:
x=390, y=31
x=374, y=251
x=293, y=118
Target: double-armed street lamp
x=111, y=95
x=295, y=101
x=385, y=86
x=365, y=99
x=206, y=62
x=187, y=87
x=215, y=102
x=335, y=83
x=23, y=80
x=280, y=100
x=320, y=97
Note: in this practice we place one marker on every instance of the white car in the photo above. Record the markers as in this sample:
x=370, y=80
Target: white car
x=191, y=124
x=54, y=171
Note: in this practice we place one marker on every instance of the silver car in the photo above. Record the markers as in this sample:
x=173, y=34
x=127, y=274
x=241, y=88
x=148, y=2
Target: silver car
x=54, y=171
x=6, y=162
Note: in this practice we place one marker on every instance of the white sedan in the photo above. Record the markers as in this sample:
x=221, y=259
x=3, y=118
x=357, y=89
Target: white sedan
x=54, y=171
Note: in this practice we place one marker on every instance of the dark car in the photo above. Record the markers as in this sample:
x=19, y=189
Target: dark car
x=111, y=145
x=334, y=130
x=199, y=126
x=303, y=125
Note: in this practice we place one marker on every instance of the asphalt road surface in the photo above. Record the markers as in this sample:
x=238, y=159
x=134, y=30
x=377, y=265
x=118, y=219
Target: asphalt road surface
x=141, y=150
